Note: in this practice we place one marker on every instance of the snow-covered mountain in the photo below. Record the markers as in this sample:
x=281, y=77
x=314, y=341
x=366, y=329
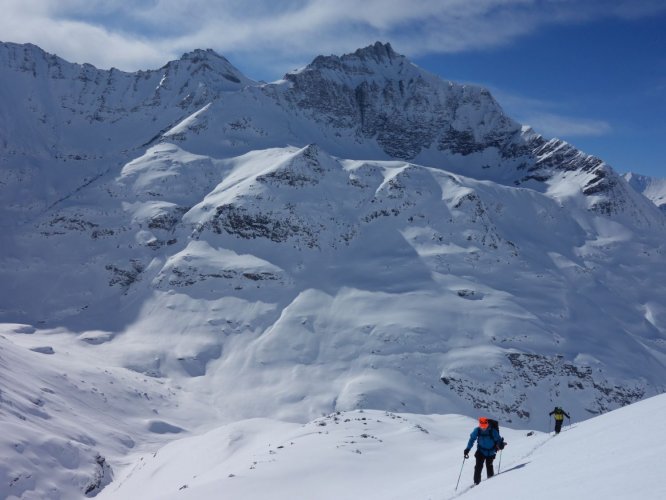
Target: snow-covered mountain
x=653, y=189
x=206, y=249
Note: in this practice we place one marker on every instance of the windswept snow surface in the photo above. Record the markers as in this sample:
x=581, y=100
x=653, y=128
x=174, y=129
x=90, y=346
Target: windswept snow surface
x=71, y=424
x=368, y=455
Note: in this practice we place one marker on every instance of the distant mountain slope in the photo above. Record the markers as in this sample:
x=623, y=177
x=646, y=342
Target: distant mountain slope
x=525, y=280
x=70, y=109
x=64, y=125
x=653, y=189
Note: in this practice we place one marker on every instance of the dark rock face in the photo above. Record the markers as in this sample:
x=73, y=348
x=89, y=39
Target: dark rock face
x=240, y=222
x=381, y=95
x=102, y=477
x=125, y=277
x=527, y=373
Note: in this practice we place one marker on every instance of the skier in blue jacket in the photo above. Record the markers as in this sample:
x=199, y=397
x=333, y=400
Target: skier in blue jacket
x=489, y=442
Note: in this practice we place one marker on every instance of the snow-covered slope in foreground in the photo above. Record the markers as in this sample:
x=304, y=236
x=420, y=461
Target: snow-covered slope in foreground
x=378, y=455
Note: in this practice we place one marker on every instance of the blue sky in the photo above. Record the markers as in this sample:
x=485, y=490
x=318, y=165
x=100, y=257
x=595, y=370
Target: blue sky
x=592, y=72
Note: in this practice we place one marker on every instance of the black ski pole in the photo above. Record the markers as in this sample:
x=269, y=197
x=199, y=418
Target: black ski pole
x=459, y=475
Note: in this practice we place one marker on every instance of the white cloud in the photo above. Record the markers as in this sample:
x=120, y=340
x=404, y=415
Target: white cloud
x=270, y=38
x=146, y=33
x=546, y=118
x=38, y=22
x=552, y=125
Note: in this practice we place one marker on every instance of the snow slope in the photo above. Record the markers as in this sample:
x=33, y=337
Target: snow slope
x=68, y=414
x=653, y=189
x=377, y=283
x=380, y=455
x=364, y=454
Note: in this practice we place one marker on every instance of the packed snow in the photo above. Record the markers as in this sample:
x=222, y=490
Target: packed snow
x=382, y=455
x=184, y=452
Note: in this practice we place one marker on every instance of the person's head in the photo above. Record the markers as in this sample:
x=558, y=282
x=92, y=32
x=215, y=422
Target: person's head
x=483, y=423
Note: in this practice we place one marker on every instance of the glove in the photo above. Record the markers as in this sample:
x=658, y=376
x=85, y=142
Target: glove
x=502, y=445
x=466, y=452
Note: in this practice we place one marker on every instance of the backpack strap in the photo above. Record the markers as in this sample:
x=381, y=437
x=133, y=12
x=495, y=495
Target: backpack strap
x=488, y=432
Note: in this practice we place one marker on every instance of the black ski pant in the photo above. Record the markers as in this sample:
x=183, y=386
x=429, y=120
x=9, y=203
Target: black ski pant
x=480, y=459
x=558, y=426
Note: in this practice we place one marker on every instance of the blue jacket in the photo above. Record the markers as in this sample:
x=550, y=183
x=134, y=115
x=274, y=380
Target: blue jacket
x=488, y=441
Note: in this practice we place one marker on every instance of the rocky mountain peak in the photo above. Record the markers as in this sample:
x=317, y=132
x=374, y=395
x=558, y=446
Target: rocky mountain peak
x=30, y=58
x=202, y=54
x=374, y=61
x=377, y=51
x=406, y=109
x=210, y=66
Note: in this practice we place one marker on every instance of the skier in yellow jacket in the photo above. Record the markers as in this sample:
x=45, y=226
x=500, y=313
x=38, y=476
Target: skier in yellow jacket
x=559, y=418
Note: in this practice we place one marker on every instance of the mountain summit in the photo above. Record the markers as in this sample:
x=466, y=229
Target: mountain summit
x=406, y=110
x=361, y=234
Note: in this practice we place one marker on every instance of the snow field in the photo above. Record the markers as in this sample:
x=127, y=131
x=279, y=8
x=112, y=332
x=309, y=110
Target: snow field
x=369, y=455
